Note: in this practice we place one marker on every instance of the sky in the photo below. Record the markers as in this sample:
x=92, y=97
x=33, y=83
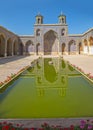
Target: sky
x=18, y=16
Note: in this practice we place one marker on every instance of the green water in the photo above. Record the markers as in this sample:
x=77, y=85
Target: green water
x=48, y=91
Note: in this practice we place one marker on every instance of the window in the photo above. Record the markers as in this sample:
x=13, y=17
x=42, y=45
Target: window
x=63, y=20
x=38, y=20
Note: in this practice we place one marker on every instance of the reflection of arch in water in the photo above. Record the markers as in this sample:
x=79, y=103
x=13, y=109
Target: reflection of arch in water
x=63, y=64
x=70, y=68
x=62, y=92
x=49, y=71
x=38, y=65
x=39, y=80
x=63, y=80
x=50, y=43
x=41, y=91
x=30, y=69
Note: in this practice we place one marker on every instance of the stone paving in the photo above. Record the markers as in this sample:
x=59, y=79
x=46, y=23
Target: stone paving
x=82, y=61
x=13, y=65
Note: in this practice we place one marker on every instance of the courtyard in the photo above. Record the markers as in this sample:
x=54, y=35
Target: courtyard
x=46, y=65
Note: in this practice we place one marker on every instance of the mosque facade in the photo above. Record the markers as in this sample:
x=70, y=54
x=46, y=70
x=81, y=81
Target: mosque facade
x=48, y=39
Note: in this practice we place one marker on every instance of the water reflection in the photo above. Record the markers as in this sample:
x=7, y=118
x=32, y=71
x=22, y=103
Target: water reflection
x=51, y=74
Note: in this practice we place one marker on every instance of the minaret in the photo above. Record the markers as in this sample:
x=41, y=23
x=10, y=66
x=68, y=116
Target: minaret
x=62, y=18
x=39, y=19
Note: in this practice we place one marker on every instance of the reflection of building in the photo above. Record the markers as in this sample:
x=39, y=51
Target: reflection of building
x=50, y=76
x=48, y=39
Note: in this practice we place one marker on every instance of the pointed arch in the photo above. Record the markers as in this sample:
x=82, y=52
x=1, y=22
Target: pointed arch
x=86, y=49
x=80, y=48
x=9, y=47
x=91, y=41
x=29, y=47
x=63, y=48
x=72, y=47
x=2, y=45
x=21, y=47
x=51, y=43
x=38, y=32
x=15, y=47
x=91, y=45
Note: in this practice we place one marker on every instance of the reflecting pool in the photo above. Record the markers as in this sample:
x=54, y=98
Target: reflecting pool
x=51, y=88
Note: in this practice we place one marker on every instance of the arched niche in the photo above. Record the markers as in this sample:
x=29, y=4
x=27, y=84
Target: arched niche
x=63, y=48
x=9, y=47
x=72, y=47
x=21, y=48
x=2, y=45
x=91, y=45
x=38, y=32
x=80, y=47
x=29, y=47
x=51, y=43
x=15, y=47
x=86, y=49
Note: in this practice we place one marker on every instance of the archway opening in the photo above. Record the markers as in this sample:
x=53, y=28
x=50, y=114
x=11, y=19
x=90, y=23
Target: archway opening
x=29, y=47
x=38, y=32
x=91, y=45
x=72, y=47
x=2, y=46
x=51, y=43
x=80, y=48
x=85, y=46
x=15, y=48
x=21, y=47
x=63, y=48
x=9, y=47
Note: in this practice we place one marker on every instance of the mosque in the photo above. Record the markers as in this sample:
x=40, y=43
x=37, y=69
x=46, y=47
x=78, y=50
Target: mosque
x=48, y=39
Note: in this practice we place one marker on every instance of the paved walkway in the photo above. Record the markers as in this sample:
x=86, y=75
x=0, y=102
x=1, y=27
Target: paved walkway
x=82, y=61
x=13, y=65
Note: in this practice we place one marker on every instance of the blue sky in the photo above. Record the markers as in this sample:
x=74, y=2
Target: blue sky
x=18, y=16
